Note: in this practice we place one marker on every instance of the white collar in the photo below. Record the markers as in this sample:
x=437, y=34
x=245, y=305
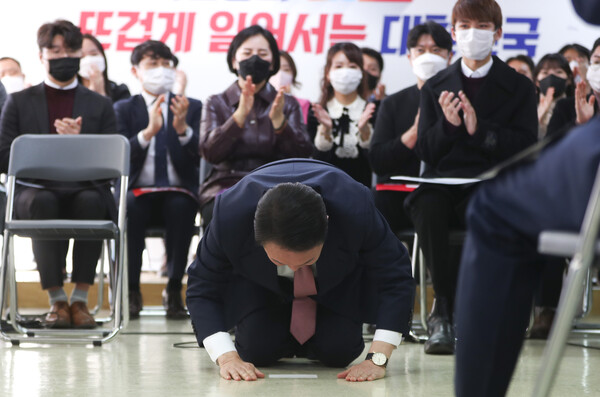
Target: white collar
x=479, y=73
x=50, y=83
x=355, y=109
x=149, y=98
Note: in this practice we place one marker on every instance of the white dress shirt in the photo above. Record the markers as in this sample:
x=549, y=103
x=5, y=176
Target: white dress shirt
x=146, y=177
x=479, y=73
x=220, y=342
x=70, y=86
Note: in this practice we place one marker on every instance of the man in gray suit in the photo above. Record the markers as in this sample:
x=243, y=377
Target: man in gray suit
x=60, y=105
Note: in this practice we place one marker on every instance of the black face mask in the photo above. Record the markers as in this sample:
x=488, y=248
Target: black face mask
x=372, y=81
x=256, y=67
x=558, y=83
x=64, y=69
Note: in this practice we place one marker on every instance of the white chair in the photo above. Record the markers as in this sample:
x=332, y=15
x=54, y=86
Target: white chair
x=67, y=158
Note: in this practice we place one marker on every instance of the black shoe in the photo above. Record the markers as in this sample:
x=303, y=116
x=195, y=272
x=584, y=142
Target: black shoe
x=173, y=304
x=441, y=331
x=542, y=323
x=135, y=304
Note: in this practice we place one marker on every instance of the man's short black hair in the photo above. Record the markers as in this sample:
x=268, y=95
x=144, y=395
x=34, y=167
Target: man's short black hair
x=375, y=55
x=71, y=34
x=291, y=215
x=525, y=59
x=581, y=50
x=244, y=35
x=440, y=36
x=154, y=49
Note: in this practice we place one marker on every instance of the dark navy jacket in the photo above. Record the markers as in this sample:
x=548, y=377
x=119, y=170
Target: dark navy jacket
x=363, y=272
x=132, y=117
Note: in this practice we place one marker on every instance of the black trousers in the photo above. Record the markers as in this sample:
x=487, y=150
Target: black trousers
x=263, y=337
x=390, y=204
x=176, y=212
x=551, y=282
x=50, y=255
x=435, y=211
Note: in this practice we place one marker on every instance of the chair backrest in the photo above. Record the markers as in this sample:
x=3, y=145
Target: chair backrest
x=69, y=158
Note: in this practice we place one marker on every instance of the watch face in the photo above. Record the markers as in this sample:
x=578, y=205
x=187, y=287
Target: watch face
x=379, y=359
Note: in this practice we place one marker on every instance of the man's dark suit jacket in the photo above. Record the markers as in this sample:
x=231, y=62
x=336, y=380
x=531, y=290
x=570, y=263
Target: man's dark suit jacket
x=26, y=112
x=363, y=272
x=506, y=111
x=132, y=117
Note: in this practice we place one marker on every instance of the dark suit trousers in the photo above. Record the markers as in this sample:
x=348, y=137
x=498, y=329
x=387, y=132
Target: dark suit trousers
x=263, y=337
x=500, y=271
x=390, y=204
x=50, y=255
x=435, y=211
x=500, y=266
x=173, y=210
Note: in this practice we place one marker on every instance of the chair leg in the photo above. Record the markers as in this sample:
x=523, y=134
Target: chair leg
x=423, y=288
x=4, y=281
x=565, y=314
x=100, y=283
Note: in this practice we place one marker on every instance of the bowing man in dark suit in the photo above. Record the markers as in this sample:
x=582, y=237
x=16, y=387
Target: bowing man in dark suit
x=163, y=132
x=60, y=106
x=297, y=257
x=473, y=115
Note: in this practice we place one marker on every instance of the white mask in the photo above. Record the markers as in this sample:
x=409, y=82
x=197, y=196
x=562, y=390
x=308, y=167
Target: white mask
x=427, y=65
x=90, y=63
x=281, y=79
x=345, y=80
x=573, y=64
x=593, y=76
x=13, y=83
x=158, y=80
x=475, y=44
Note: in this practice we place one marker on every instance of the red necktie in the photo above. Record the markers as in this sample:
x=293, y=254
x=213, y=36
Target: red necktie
x=304, y=309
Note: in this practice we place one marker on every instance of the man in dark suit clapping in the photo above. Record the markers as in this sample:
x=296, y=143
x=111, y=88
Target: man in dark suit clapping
x=162, y=129
x=60, y=105
x=473, y=115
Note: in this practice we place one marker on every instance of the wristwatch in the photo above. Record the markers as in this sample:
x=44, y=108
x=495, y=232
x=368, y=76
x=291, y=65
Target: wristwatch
x=378, y=359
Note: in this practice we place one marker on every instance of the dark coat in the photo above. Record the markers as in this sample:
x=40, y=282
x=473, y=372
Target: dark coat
x=564, y=116
x=506, y=111
x=26, y=112
x=387, y=154
x=363, y=272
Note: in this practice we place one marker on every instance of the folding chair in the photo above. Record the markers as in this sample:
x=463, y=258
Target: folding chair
x=67, y=158
x=584, y=248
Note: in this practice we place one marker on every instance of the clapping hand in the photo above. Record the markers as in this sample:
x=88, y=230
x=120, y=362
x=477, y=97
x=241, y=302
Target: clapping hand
x=68, y=126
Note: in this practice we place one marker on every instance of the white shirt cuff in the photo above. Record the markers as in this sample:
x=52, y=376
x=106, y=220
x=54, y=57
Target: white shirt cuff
x=391, y=337
x=321, y=143
x=184, y=139
x=217, y=344
x=367, y=143
x=142, y=141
